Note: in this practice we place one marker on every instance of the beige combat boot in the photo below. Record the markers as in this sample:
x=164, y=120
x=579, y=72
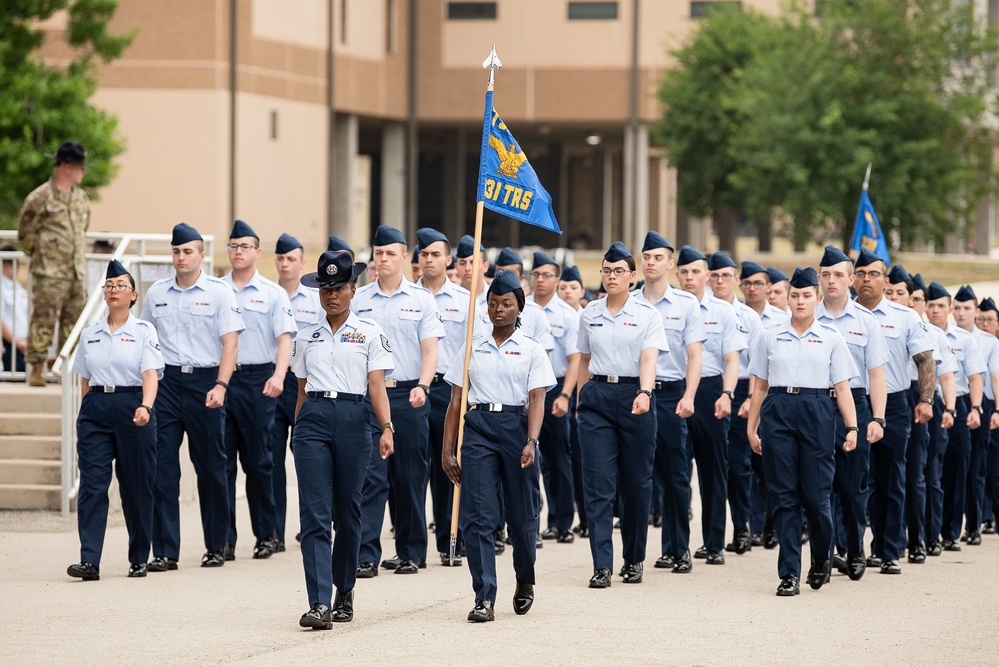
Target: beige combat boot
x=36, y=377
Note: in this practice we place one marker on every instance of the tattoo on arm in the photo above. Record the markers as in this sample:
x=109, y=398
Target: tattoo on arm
x=927, y=374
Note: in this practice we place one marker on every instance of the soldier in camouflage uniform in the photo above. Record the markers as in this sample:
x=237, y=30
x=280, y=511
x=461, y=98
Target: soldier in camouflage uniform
x=51, y=229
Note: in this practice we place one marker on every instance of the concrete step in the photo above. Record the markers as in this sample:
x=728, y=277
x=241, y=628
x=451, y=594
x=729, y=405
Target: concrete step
x=30, y=497
x=30, y=472
x=38, y=447
x=17, y=397
x=31, y=423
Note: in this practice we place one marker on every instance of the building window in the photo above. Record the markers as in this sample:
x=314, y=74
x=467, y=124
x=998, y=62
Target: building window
x=593, y=10
x=700, y=10
x=471, y=10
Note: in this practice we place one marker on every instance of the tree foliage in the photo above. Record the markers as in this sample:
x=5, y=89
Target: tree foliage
x=43, y=104
x=905, y=84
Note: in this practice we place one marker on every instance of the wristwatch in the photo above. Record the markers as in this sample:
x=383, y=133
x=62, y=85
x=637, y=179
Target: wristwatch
x=853, y=429
x=388, y=425
x=928, y=401
x=880, y=422
x=647, y=392
x=952, y=412
x=729, y=393
x=534, y=441
x=980, y=409
x=425, y=388
x=564, y=395
x=148, y=409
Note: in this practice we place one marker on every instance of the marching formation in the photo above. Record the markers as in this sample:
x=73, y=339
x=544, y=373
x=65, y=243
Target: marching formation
x=822, y=403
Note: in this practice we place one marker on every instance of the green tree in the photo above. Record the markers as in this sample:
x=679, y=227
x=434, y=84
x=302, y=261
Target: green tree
x=43, y=105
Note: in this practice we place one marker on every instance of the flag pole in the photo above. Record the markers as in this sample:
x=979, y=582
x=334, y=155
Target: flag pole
x=492, y=63
x=867, y=176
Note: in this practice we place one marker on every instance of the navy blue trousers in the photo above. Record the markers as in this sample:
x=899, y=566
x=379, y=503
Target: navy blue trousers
x=709, y=444
x=406, y=470
x=105, y=433
x=759, y=517
x=556, y=463
x=490, y=465
x=888, y=475
x=672, y=461
x=852, y=479
x=740, y=468
x=981, y=442
x=798, y=434
x=441, y=488
x=618, y=450
x=955, y=472
x=577, y=462
x=281, y=428
x=992, y=483
x=332, y=447
x=248, y=423
x=938, y=444
x=180, y=408
x=915, y=472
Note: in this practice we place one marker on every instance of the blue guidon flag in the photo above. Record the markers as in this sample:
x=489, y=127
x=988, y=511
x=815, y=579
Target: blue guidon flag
x=867, y=230
x=508, y=183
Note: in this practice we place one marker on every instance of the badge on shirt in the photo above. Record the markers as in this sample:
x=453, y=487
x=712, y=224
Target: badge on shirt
x=352, y=337
x=153, y=344
x=513, y=352
x=236, y=310
x=630, y=324
x=287, y=311
x=385, y=343
x=316, y=334
x=125, y=339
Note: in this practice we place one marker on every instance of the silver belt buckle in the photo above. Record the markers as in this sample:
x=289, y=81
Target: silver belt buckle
x=832, y=393
x=612, y=379
x=238, y=367
x=187, y=369
x=330, y=394
x=391, y=384
x=793, y=390
x=495, y=407
x=109, y=389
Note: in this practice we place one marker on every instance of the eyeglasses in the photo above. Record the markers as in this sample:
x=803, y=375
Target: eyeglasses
x=245, y=247
x=544, y=276
x=986, y=320
x=918, y=299
x=619, y=271
x=721, y=276
x=873, y=275
x=755, y=284
x=117, y=288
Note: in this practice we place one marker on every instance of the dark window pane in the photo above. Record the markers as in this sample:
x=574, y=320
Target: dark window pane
x=471, y=10
x=592, y=10
x=699, y=10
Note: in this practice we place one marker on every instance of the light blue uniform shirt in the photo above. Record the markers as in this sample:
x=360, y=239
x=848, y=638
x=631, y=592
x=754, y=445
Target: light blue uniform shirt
x=266, y=315
x=452, y=303
x=615, y=342
x=969, y=357
x=532, y=322
x=683, y=325
x=563, y=323
x=504, y=374
x=305, y=306
x=749, y=323
x=818, y=359
x=942, y=356
x=341, y=360
x=988, y=345
x=862, y=333
x=906, y=336
x=191, y=322
x=723, y=335
x=772, y=315
x=408, y=317
x=118, y=358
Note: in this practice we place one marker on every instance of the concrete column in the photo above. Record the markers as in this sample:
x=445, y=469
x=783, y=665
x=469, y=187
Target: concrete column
x=393, y=197
x=984, y=227
x=457, y=194
x=607, y=216
x=346, y=141
x=667, y=218
x=629, y=184
x=641, y=196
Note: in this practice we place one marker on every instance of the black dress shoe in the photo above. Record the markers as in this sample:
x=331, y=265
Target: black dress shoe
x=229, y=552
x=410, y=566
x=756, y=539
x=366, y=571
x=788, y=587
x=657, y=519
x=319, y=617
x=683, y=564
x=343, y=607
x=538, y=542
x=523, y=598
x=839, y=562
x=890, y=567
x=447, y=562
x=701, y=553
x=549, y=534
x=665, y=562
x=951, y=545
x=934, y=549
x=818, y=574
x=160, y=564
x=279, y=546
x=264, y=548
x=136, y=570
x=601, y=578
x=989, y=527
x=917, y=554
x=770, y=540
x=740, y=543
x=391, y=563
x=804, y=533
x=633, y=573
x=716, y=558
x=579, y=528
x=964, y=537
x=298, y=537
x=85, y=571
x=856, y=565
x=974, y=539
x=565, y=537
x=873, y=561
x=482, y=612
x=432, y=526
x=585, y=532
x=617, y=524
x=213, y=559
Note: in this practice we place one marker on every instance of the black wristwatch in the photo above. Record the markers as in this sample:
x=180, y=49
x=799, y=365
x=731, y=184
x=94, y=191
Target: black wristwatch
x=880, y=422
x=928, y=401
x=996, y=411
x=148, y=409
x=647, y=392
x=224, y=385
x=564, y=395
x=425, y=388
x=854, y=429
x=729, y=393
x=952, y=412
x=980, y=409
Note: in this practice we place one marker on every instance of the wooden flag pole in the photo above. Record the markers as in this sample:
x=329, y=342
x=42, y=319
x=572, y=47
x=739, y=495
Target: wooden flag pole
x=492, y=63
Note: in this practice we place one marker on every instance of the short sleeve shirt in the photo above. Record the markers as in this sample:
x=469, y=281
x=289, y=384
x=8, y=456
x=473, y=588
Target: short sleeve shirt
x=816, y=359
x=721, y=326
x=683, y=325
x=563, y=324
x=905, y=336
x=452, y=304
x=615, y=342
x=118, y=358
x=862, y=333
x=505, y=374
x=267, y=315
x=340, y=360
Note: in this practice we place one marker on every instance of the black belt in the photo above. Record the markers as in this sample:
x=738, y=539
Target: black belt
x=499, y=407
x=858, y=392
x=254, y=367
x=336, y=396
x=401, y=384
x=794, y=391
x=112, y=389
x=899, y=395
x=194, y=370
x=616, y=379
x=669, y=385
x=438, y=378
